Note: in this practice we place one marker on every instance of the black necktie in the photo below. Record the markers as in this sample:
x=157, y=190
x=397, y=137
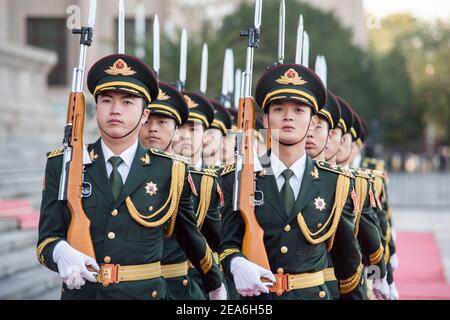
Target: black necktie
x=115, y=178
x=286, y=192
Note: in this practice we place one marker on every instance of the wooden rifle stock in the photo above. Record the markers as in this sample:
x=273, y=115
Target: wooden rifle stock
x=79, y=235
x=253, y=244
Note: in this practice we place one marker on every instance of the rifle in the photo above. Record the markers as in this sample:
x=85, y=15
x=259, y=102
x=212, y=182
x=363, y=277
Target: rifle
x=244, y=180
x=72, y=175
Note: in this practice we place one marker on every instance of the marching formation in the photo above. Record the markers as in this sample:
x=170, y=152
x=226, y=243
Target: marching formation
x=188, y=197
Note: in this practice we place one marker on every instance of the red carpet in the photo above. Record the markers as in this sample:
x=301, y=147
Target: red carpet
x=420, y=275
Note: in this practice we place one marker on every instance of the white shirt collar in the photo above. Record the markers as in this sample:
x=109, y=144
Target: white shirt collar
x=298, y=167
x=127, y=155
x=199, y=164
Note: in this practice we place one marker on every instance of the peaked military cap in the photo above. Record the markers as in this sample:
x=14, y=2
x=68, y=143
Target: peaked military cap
x=347, y=117
x=125, y=73
x=331, y=110
x=200, y=109
x=364, y=131
x=222, y=118
x=292, y=82
x=171, y=103
x=358, y=127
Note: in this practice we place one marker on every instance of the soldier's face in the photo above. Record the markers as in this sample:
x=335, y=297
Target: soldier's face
x=343, y=154
x=119, y=113
x=157, y=132
x=317, y=138
x=228, y=148
x=355, y=151
x=212, y=142
x=289, y=121
x=189, y=139
x=334, y=143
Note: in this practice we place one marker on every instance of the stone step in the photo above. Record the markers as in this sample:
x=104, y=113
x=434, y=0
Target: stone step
x=18, y=261
x=29, y=284
x=7, y=226
x=16, y=240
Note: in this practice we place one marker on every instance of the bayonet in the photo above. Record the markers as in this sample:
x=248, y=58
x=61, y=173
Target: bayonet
x=299, y=44
x=204, y=70
x=156, y=47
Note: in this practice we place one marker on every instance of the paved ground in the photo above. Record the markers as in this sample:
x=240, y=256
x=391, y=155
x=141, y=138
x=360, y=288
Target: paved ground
x=435, y=221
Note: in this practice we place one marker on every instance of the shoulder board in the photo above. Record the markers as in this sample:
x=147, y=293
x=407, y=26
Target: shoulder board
x=378, y=173
x=227, y=169
x=336, y=169
x=203, y=171
x=55, y=153
x=169, y=155
x=362, y=173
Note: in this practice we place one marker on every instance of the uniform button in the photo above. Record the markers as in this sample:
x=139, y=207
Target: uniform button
x=185, y=282
x=114, y=212
x=284, y=249
x=287, y=228
x=107, y=259
x=154, y=294
x=150, y=208
x=280, y=270
x=322, y=294
x=111, y=235
x=319, y=225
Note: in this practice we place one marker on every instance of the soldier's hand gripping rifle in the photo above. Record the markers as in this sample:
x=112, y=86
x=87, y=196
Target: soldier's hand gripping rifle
x=244, y=184
x=71, y=180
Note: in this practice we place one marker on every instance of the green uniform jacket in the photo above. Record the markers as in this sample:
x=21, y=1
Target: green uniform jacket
x=286, y=244
x=191, y=287
x=134, y=244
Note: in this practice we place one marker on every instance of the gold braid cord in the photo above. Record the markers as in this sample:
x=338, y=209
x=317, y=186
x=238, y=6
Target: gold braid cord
x=176, y=188
x=348, y=285
x=342, y=188
x=226, y=253
x=376, y=257
x=387, y=252
x=41, y=247
x=361, y=186
x=205, y=199
x=206, y=262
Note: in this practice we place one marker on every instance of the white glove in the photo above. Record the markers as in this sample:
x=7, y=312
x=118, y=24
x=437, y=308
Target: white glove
x=247, y=277
x=218, y=294
x=394, y=262
x=72, y=265
x=393, y=293
x=380, y=288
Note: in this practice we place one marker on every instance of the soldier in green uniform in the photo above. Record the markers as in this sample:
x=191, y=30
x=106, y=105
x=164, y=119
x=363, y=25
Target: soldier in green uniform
x=215, y=135
x=315, y=147
x=368, y=229
x=208, y=195
x=306, y=211
x=230, y=140
x=377, y=168
x=171, y=111
x=137, y=197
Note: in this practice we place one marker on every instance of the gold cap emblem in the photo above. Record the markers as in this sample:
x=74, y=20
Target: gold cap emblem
x=291, y=77
x=162, y=96
x=120, y=67
x=191, y=104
